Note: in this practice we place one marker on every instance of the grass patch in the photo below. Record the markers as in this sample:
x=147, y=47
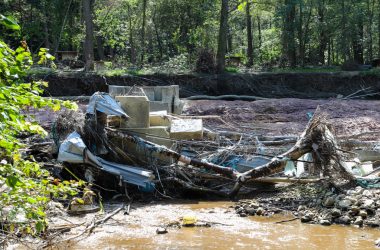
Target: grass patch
x=41, y=71
x=119, y=72
x=231, y=69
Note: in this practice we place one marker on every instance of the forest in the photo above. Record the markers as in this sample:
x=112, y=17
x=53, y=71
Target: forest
x=259, y=34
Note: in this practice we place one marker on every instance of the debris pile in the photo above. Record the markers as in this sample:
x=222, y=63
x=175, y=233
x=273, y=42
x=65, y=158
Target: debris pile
x=139, y=141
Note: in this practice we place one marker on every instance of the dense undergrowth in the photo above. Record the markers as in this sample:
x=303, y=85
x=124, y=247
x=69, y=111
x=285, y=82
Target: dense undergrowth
x=25, y=187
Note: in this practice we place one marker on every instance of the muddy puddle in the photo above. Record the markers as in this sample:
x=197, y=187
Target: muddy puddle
x=138, y=231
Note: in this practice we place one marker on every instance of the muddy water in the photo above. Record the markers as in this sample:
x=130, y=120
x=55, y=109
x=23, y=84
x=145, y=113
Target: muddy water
x=236, y=233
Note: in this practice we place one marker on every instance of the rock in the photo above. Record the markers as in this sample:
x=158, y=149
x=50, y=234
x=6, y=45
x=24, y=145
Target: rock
x=305, y=219
x=372, y=223
x=363, y=214
x=345, y=204
x=260, y=211
x=240, y=210
x=161, y=230
x=243, y=215
x=367, y=193
x=329, y=202
x=254, y=205
x=301, y=208
x=355, y=210
x=346, y=220
x=368, y=203
x=358, y=221
x=336, y=213
x=359, y=190
x=251, y=211
x=325, y=222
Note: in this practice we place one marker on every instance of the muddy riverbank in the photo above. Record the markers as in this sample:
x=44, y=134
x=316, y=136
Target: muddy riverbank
x=270, y=85
x=138, y=230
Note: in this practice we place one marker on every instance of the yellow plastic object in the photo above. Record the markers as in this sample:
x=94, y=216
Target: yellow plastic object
x=189, y=220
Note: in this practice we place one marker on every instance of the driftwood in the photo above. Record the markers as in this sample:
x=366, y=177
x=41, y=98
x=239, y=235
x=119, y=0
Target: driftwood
x=318, y=139
x=229, y=172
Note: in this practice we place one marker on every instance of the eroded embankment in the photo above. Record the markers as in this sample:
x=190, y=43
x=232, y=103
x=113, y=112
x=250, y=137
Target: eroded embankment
x=270, y=85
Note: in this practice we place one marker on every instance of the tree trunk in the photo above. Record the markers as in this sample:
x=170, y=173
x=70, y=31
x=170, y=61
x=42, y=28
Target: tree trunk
x=159, y=42
x=88, y=47
x=378, y=30
x=46, y=27
x=249, y=34
x=289, y=43
x=143, y=31
x=357, y=42
x=222, y=38
x=100, y=48
x=370, y=9
x=132, y=51
x=345, y=50
x=301, y=41
x=260, y=37
x=323, y=39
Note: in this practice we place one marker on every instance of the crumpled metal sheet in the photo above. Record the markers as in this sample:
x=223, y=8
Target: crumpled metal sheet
x=73, y=150
x=104, y=103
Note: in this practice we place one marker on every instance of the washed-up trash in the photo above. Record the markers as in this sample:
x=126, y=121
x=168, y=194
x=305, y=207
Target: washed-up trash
x=104, y=103
x=73, y=150
x=290, y=169
x=189, y=220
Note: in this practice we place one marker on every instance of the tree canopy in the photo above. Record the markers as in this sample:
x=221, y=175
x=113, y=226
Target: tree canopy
x=261, y=32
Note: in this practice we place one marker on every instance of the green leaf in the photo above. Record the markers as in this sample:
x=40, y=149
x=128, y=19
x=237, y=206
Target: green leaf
x=9, y=23
x=12, y=181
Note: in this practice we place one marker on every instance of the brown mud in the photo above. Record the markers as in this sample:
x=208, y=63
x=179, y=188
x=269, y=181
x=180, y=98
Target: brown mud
x=138, y=230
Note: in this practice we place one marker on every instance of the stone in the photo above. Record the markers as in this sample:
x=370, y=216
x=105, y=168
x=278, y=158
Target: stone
x=372, y=223
x=240, y=210
x=358, y=221
x=301, y=208
x=368, y=203
x=336, y=213
x=329, y=202
x=346, y=220
x=355, y=210
x=161, y=230
x=345, y=204
x=306, y=219
x=137, y=108
x=186, y=129
x=363, y=214
x=260, y=211
x=367, y=193
x=243, y=215
x=325, y=222
x=251, y=211
x=359, y=190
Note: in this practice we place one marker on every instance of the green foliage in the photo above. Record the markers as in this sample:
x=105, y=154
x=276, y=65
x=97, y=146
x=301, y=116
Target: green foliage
x=25, y=188
x=232, y=69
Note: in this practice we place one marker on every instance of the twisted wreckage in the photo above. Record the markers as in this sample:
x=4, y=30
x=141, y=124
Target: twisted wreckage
x=138, y=137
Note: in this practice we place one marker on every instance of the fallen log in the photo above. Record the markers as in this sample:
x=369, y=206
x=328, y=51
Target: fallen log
x=229, y=172
x=318, y=139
